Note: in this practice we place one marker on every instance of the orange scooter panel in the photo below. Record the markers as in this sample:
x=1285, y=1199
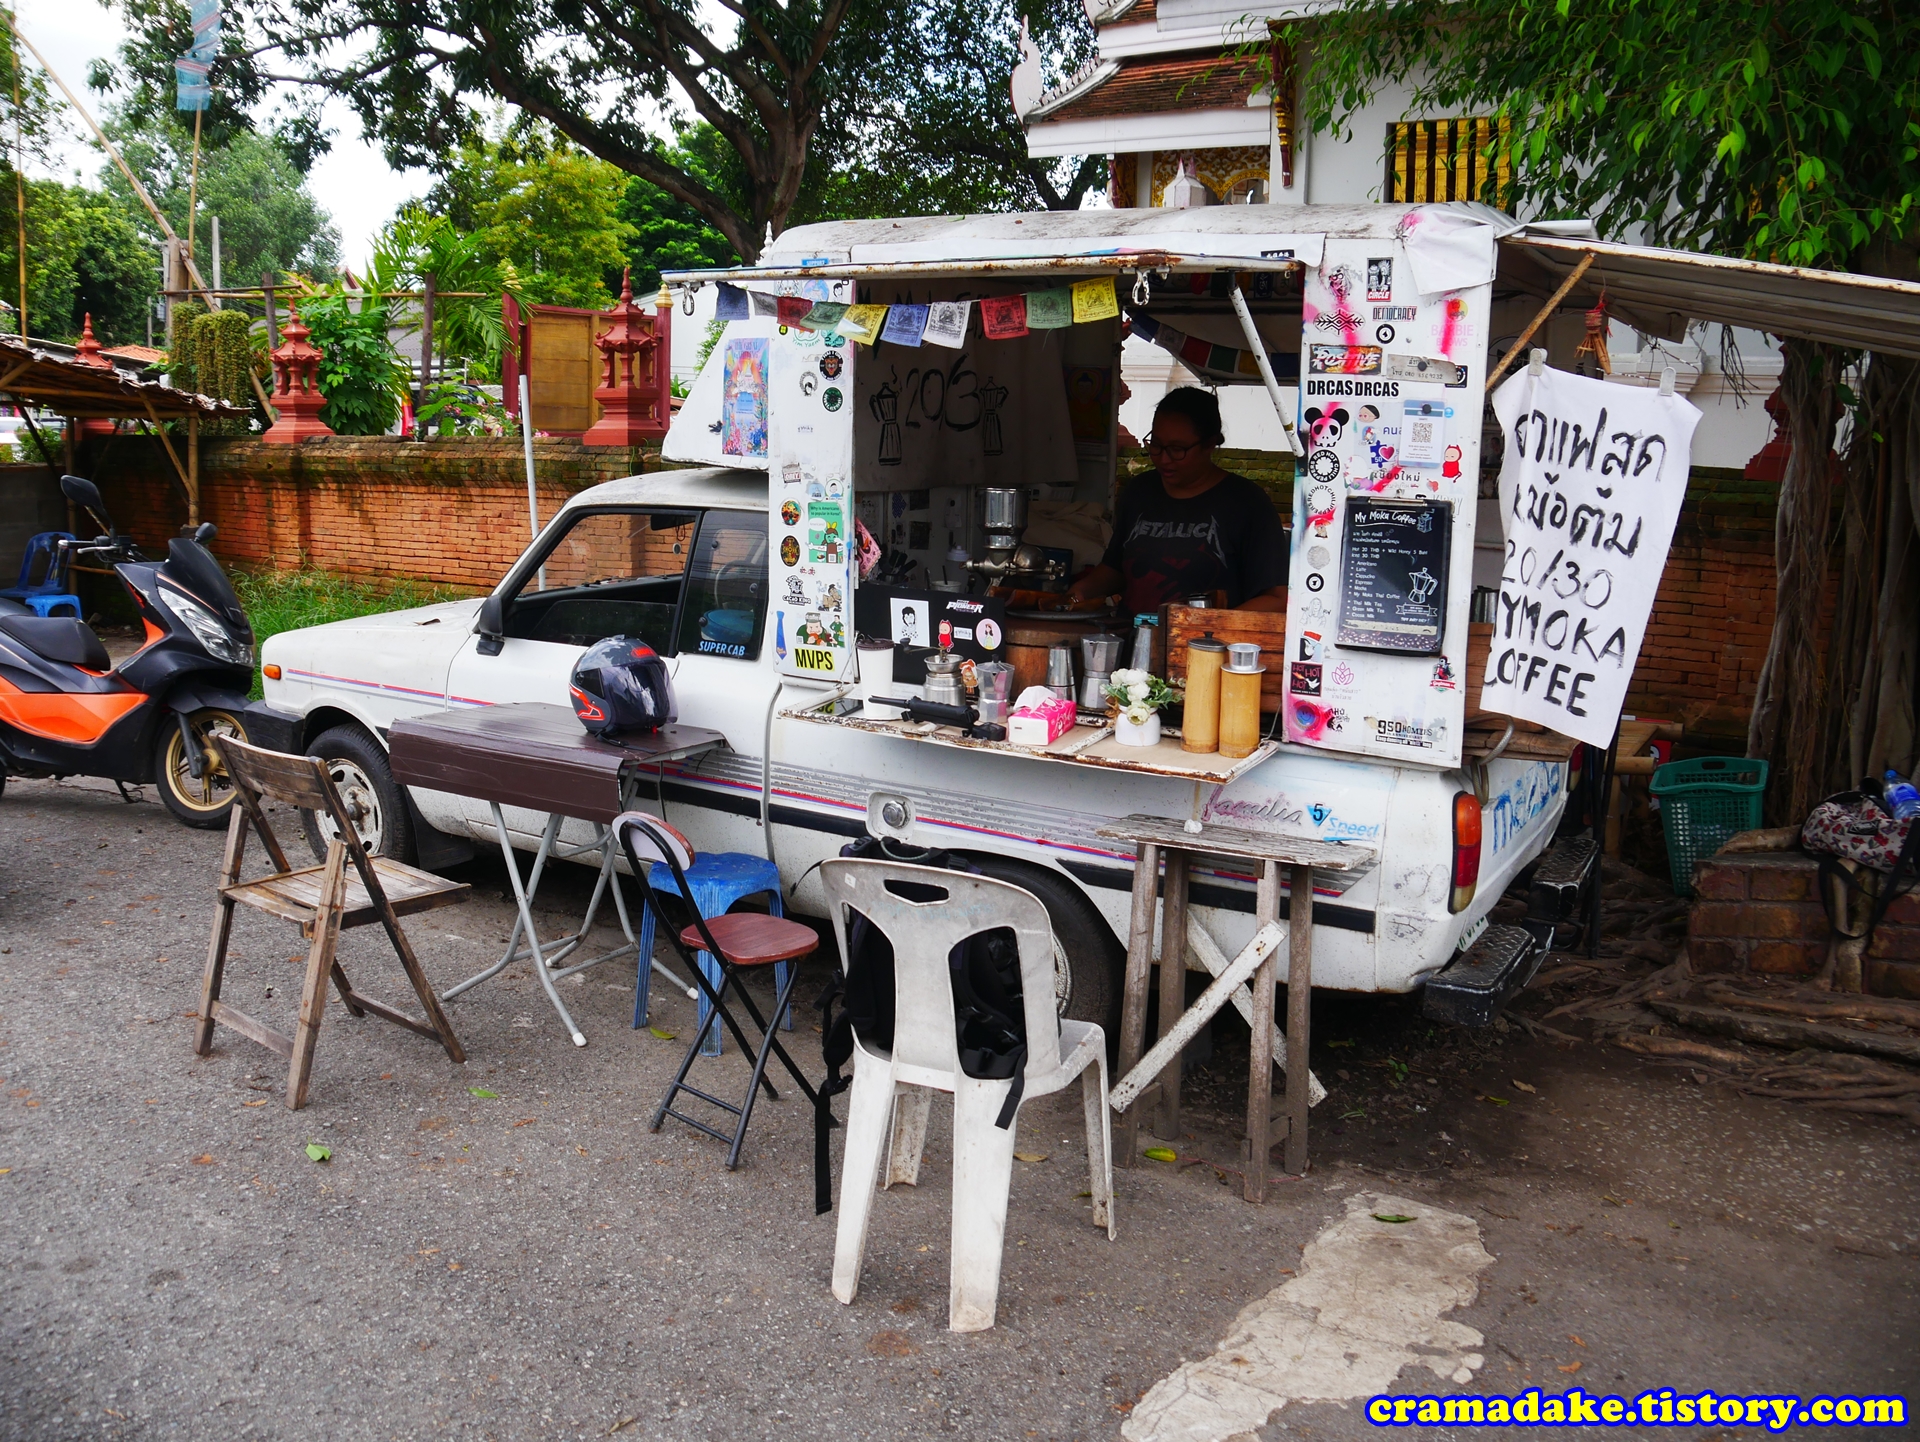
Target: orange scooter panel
x=58, y=716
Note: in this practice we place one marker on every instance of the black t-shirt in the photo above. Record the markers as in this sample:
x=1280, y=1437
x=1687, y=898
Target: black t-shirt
x=1226, y=538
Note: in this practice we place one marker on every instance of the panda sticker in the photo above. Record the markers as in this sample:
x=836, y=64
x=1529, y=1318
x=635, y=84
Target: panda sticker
x=1326, y=427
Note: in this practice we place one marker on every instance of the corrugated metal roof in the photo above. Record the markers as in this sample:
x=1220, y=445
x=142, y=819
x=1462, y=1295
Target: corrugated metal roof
x=34, y=376
x=1660, y=290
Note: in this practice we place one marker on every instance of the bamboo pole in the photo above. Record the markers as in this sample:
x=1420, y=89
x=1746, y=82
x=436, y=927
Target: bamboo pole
x=20, y=187
x=193, y=189
x=1553, y=303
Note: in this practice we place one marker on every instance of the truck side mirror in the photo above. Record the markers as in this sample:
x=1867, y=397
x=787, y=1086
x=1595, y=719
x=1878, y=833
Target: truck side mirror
x=491, y=626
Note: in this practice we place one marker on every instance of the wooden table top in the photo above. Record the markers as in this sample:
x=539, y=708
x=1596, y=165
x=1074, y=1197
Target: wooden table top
x=532, y=754
x=1232, y=841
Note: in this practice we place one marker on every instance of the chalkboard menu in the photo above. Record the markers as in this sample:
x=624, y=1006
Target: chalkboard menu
x=1393, y=575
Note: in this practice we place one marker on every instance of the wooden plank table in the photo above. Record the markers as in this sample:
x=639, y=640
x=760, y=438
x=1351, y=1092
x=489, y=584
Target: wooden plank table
x=1163, y=838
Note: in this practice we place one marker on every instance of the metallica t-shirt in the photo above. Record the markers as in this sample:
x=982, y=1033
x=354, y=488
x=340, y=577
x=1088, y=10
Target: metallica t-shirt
x=1227, y=538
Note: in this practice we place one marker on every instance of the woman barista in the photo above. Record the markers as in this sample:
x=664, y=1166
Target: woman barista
x=1187, y=526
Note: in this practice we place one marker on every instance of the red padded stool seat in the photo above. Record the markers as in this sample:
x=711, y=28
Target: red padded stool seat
x=748, y=938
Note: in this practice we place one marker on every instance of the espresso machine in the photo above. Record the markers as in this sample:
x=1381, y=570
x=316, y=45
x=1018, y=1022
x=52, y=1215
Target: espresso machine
x=1009, y=562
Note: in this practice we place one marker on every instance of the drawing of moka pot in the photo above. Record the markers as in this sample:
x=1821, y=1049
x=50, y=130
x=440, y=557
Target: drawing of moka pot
x=885, y=406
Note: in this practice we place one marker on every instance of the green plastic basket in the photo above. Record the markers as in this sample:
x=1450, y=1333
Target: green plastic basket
x=1703, y=802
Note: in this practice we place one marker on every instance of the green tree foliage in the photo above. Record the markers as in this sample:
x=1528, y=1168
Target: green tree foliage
x=467, y=323
x=669, y=234
x=363, y=380
x=269, y=220
x=937, y=135
x=540, y=209
x=84, y=256
x=902, y=102
x=1787, y=131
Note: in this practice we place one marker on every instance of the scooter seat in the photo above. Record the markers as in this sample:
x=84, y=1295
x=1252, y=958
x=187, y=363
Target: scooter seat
x=59, y=638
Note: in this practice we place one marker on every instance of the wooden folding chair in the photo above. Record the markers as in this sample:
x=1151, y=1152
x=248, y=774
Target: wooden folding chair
x=323, y=901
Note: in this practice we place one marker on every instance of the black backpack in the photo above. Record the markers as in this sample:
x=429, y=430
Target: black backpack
x=990, y=1023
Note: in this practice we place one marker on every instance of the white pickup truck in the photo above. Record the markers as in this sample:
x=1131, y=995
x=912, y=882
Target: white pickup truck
x=694, y=562
x=799, y=792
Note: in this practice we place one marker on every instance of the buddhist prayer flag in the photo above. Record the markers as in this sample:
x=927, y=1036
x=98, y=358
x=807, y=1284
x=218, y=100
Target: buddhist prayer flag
x=947, y=323
x=905, y=324
x=862, y=323
x=1049, y=309
x=1004, y=317
x=1094, y=300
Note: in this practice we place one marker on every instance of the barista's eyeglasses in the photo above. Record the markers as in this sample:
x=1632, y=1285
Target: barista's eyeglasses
x=1171, y=452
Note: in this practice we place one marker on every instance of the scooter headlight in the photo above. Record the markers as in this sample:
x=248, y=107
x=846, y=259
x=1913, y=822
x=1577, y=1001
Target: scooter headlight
x=207, y=628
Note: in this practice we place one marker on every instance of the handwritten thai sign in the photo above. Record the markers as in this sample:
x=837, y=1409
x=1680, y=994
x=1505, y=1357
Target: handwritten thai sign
x=1590, y=487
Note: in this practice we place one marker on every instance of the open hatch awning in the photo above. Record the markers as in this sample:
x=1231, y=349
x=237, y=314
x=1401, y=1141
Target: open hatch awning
x=32, y=376
x=1661, y=291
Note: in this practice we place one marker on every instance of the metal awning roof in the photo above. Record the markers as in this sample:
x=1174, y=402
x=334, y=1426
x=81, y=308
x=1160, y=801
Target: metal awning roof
x=33, y=376
x=1660, y=291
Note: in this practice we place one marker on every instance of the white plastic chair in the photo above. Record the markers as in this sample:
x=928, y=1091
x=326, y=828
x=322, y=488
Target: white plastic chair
x=926, y=1055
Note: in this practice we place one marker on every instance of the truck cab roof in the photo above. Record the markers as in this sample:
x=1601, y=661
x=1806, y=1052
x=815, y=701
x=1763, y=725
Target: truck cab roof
x=707, y=488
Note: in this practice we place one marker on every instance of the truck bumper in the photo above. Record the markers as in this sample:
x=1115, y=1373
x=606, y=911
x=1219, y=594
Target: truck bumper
x=271, y=728
x=1473, y=988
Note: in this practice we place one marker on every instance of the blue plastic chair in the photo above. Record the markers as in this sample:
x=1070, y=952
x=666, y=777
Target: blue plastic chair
x=49, y=594
x=718, y=879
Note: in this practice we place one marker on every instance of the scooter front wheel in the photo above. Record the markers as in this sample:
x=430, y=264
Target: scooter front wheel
x=205, y=800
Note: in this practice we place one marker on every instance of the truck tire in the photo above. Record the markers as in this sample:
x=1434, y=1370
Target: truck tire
x=358, y=765
x=1089, y=962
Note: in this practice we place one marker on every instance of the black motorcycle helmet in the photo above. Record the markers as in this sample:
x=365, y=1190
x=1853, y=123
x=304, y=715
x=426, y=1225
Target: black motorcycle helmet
x=621, y=685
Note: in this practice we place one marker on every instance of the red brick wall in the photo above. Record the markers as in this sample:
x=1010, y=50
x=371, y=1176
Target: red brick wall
x=453, y=512
x=1713, y=616
x=1763, y=914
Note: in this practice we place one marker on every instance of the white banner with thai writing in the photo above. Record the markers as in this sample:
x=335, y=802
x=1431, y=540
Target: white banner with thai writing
x=1590, y=488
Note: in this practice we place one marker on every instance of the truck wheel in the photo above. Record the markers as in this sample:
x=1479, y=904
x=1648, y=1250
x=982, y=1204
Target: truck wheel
x=358, y=765
x=1089, y=964
x=203, y=802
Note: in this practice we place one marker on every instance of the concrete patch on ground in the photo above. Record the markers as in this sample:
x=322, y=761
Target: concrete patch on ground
x=1368, y=1302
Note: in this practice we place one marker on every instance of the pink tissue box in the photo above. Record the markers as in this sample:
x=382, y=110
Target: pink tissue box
x=1039, y=725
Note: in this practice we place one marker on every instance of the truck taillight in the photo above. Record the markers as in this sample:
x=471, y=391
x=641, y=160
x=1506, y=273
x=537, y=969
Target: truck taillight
x=1466, y=849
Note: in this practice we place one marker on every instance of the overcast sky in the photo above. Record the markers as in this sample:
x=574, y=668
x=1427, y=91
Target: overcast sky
x=352, y=182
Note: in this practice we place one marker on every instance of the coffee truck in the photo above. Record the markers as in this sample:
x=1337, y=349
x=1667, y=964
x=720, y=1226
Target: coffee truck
x=945, y=391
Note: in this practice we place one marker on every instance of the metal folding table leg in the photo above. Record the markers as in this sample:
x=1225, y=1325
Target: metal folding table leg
x=522, y=899
x=513, y=952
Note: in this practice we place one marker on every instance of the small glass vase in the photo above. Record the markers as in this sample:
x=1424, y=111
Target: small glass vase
x=1147, y=733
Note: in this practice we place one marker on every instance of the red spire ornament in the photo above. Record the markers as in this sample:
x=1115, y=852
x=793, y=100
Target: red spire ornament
x=296, y=390
x=1595, y=342
x=633, y=392
x=87, y=352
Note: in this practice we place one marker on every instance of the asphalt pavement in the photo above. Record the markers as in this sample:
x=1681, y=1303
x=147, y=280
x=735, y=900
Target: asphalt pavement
x=504, y=1250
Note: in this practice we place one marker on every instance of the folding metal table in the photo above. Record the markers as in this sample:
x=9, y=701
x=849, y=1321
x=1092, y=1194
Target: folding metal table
x=538, y=756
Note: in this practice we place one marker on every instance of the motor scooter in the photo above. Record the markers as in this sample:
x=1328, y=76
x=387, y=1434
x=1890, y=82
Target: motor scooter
x=67, y=710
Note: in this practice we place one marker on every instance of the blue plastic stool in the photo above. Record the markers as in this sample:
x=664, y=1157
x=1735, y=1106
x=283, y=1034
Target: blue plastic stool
x=718, y=879
x=49, y=593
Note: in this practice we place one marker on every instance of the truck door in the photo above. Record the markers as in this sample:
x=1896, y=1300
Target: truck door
x=725, y=680
x=600, y=572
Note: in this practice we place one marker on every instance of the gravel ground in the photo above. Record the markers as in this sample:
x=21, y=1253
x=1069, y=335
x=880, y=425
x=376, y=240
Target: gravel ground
x=537, y=1264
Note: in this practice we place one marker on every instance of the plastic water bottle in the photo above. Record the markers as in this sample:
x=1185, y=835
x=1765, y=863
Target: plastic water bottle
x=1902, y=799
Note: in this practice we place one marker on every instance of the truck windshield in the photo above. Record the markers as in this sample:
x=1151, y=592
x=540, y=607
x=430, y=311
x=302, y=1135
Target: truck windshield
x=609, y=573
x=726, y=592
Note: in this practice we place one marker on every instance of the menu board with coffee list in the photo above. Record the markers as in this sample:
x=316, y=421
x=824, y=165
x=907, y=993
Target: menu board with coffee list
x=1393, y=575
